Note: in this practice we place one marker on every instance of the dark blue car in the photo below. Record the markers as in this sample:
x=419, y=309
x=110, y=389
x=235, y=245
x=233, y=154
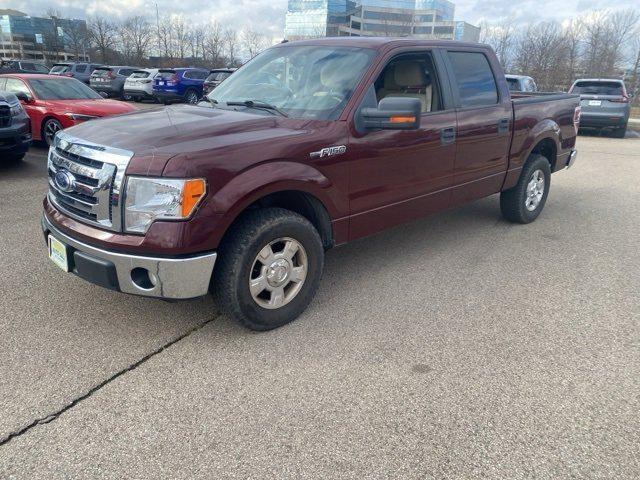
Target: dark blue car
x=179, y=84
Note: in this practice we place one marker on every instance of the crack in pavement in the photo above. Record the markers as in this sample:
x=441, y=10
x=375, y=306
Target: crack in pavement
x=51, y=417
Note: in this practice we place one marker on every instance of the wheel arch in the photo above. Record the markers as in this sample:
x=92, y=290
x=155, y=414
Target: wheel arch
x=45, y=119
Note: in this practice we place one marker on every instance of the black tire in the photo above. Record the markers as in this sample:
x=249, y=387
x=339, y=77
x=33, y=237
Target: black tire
x=236, y=257
x=49, y=128
x=619, y=132
x=137, y=99
x=512, y=201
x=166, y=102
x=190, y=95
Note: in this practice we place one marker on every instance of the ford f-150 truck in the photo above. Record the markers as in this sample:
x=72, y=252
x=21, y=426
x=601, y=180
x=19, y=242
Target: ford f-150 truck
x=309, y=145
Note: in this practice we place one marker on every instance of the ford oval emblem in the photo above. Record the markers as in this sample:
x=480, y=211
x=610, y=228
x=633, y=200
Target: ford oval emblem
x=65, y=181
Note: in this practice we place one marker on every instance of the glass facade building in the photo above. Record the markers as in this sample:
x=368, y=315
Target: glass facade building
x=390, y=18
x=38, y=38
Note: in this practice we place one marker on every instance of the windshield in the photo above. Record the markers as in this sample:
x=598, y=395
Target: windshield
x=301, y=81
x=60, y=89
x=60, y=68
x=598, y=88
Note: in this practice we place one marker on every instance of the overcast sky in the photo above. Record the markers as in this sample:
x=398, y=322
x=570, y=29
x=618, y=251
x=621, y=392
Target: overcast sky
x=267, y=16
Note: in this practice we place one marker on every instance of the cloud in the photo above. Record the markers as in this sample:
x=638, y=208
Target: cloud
x=267, y=16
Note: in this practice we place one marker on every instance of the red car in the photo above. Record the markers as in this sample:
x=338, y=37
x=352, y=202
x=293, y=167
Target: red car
x=54, y=103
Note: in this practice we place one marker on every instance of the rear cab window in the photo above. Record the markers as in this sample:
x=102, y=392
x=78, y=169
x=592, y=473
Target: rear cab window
x=474, y=79
x=598, y=88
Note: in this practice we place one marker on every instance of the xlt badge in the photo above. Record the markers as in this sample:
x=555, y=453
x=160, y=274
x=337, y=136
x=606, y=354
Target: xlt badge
x=329, y=152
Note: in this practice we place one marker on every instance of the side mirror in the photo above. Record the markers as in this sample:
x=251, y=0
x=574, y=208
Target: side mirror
x=393, y=113
x=23, y=97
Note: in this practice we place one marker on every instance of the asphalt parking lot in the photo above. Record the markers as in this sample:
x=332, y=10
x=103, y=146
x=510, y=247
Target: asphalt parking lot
x=459, y=346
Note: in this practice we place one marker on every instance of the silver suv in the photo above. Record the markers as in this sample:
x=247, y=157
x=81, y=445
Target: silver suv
x=605, y=104
x=81, y=71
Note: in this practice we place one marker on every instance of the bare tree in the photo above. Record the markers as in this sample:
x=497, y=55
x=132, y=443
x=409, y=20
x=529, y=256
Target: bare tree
x=181, y=36
x=77, y=38
x=502, y=38
x=135, y=38
x=103, y=35
x=231, y=45
x=253, y=42
x=215, y=44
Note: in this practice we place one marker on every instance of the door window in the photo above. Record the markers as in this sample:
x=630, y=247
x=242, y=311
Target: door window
x=15, y=85
x=411, y=75
x=474, y=78
x=81, y=68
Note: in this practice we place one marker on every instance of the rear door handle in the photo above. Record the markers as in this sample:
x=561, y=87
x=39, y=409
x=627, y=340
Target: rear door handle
x=447, y=135
x=503, y=126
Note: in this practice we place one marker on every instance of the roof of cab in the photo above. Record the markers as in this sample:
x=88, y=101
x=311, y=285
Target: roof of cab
x=380, y=42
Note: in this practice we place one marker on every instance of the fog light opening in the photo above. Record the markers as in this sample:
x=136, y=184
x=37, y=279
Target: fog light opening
x=143, y=278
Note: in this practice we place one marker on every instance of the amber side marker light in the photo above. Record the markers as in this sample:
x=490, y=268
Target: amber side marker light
x=402, y=119
x=193, y=192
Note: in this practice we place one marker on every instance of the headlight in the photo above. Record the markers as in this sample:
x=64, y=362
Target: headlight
x=150, y=199
x=80, y=118
x=16, y=109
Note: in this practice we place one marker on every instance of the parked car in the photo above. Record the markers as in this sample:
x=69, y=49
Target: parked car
x=215, y=78
x=79, y=70
x=139, y=85
x=23, y=66
x=15, y=130
x=363, y=134
x=109, y=81
x=605, y=104
x=179, y=85
x=55, y=103
x=521, y=83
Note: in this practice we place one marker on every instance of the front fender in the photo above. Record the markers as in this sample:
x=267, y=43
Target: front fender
x=251, y=185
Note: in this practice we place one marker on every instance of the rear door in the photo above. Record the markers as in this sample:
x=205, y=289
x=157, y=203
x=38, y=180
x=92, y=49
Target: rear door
x=484, y=118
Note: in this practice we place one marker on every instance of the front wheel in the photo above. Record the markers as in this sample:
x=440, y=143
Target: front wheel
x=269, y=268
x=49, y=130
x=524, y=202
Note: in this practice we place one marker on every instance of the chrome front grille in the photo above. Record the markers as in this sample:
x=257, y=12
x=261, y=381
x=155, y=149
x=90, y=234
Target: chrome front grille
x=85, y=180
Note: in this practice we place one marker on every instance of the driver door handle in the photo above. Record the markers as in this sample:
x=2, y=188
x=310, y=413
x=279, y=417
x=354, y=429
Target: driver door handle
x=448, y=135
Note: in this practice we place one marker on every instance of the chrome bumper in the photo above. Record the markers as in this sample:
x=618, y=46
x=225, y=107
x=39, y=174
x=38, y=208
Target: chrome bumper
x=572, y=158
x=170, y=278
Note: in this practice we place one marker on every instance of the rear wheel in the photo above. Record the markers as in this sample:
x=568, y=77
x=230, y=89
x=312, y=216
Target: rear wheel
x=524, y=202
x=16, y=157
x=191, y=97
x=268, y=269
x=49, y=129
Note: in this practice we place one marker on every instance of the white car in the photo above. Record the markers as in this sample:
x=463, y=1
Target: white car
x=139, y=85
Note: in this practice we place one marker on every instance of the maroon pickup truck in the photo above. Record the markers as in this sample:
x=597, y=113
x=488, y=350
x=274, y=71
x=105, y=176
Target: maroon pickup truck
x=310, y=145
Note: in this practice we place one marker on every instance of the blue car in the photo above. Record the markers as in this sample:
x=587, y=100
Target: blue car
x=179, y=85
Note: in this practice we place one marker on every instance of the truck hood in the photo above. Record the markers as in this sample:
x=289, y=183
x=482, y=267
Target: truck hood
x=10, y=98
x=155, y=136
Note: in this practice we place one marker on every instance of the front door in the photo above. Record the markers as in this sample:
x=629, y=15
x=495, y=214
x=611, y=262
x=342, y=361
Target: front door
x=399, y=175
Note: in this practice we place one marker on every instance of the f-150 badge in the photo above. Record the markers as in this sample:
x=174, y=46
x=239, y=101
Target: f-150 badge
x=329, y=152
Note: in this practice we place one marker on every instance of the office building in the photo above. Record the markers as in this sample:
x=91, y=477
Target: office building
x=43, y=39
x=388, y=18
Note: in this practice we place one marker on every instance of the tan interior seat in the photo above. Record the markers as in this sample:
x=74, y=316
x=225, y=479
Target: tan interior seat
x=407, y=78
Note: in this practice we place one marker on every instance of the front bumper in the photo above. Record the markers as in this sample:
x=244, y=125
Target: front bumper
x=572, y=158
x=16, y=138
x=160, y=277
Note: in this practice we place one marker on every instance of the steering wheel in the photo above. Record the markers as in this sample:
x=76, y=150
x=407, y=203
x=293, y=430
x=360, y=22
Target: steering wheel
x=270, y=93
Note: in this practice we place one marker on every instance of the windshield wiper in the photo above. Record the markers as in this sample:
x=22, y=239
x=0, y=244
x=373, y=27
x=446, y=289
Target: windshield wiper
x=257, y=104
